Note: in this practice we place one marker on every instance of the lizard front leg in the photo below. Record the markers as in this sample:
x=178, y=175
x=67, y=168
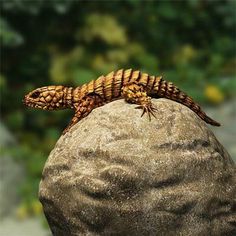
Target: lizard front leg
x=84, y=107
x=135, y=93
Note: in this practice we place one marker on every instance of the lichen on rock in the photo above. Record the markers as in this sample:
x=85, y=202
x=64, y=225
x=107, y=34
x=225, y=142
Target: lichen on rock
x=115, y=173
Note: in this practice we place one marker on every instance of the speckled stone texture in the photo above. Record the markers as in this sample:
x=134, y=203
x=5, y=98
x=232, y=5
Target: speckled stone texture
x=115, y=173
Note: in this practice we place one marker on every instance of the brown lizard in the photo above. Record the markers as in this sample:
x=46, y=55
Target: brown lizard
x=133, y=86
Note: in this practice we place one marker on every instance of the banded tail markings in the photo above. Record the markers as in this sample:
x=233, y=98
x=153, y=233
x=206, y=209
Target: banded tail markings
x=127, y=75
x=135, y=76
x=98, y=86
x=112, y=79
x=108, y=85
x=144, y=79
x=103, y=87
x=155, y=87
x=153, y=79
x=163, y=88
x=179, y=96
x=118, y=83
x=90, y=87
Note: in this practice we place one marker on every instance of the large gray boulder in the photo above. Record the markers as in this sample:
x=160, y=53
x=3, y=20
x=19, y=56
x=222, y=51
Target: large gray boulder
x=115, y=173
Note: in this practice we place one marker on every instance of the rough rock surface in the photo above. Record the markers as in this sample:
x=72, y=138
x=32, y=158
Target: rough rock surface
x=115, y=173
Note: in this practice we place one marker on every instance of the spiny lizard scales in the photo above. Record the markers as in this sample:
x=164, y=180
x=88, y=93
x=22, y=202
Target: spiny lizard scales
x=134, y=86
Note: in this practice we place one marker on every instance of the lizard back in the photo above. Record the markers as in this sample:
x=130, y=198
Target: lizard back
x=109, y=87
x=132, y=85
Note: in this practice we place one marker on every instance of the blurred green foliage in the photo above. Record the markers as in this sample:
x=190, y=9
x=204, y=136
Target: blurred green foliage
x=191, y=43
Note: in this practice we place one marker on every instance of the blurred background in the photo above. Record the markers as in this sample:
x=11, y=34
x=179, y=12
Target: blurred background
x=192, y=43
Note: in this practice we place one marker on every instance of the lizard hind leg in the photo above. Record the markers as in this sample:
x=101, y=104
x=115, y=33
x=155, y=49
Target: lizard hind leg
x=135, y=93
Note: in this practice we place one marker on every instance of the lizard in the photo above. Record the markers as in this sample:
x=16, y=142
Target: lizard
x=132, y=85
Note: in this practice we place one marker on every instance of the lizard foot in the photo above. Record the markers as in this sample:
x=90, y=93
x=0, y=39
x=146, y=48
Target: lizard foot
x=147, y=108
x=65, y=130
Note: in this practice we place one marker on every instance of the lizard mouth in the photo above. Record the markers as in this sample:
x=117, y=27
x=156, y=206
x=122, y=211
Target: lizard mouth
x=29, y=103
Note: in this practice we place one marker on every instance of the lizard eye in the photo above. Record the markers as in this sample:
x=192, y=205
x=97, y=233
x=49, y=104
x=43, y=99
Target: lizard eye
x=35, y=94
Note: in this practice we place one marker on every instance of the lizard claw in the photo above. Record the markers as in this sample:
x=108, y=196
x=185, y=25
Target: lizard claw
x=147, y=108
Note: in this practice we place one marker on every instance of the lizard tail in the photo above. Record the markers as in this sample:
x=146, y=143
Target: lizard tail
x=170, y=91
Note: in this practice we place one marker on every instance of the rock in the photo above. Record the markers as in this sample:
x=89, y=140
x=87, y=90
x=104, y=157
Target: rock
x=115, y=173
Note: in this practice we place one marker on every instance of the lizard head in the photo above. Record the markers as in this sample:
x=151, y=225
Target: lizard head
x=46, y=98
